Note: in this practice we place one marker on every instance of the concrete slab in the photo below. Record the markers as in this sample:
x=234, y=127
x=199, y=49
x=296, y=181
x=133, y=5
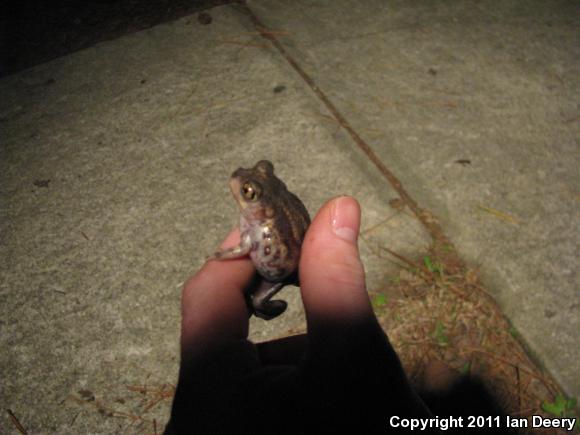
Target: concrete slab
x=114, y=164
x=473, y=105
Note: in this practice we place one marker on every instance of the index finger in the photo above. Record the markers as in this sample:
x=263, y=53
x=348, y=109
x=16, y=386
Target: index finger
x=213, y=306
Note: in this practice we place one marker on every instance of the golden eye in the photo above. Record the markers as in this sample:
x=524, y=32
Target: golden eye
x=248, y=192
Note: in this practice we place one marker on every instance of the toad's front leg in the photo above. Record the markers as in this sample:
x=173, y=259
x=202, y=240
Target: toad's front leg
x=238, y=251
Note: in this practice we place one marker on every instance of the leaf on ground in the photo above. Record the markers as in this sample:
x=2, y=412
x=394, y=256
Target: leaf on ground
x=466, y=368
x=560, y=406
x=432, y=267
x=440, y=336
x=379, y=300
x=428, y=263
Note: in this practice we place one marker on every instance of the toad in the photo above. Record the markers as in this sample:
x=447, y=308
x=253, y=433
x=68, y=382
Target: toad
x=273, y=223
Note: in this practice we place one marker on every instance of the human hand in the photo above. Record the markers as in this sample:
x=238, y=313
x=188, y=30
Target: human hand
x=342, y=375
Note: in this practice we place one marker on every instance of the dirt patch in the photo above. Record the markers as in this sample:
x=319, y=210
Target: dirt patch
x=449, y=332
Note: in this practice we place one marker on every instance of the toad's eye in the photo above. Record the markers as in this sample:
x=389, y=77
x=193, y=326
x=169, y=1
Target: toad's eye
x=249, y=193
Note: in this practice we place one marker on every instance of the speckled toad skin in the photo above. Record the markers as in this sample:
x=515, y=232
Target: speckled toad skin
x=273, y=223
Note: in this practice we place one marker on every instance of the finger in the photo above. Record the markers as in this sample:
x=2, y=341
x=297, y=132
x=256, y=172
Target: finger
x=348, y=353
x=331, y=272
x=213, y=306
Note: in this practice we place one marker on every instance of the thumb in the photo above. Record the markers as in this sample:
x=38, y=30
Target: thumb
x=331, y=273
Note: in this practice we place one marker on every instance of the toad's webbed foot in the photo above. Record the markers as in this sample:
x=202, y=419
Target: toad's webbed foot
x=261, y=304
x=269, y=310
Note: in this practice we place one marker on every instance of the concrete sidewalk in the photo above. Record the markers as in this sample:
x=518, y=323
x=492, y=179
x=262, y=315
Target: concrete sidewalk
x=114, y=164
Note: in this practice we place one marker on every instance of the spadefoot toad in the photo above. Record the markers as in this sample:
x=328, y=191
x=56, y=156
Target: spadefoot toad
x=273, y=223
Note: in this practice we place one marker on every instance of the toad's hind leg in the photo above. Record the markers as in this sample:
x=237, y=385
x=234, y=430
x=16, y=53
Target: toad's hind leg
x=264, y=308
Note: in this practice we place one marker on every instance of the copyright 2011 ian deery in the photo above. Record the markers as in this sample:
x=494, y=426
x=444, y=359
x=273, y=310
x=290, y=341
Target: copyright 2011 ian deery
x=478, y=422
